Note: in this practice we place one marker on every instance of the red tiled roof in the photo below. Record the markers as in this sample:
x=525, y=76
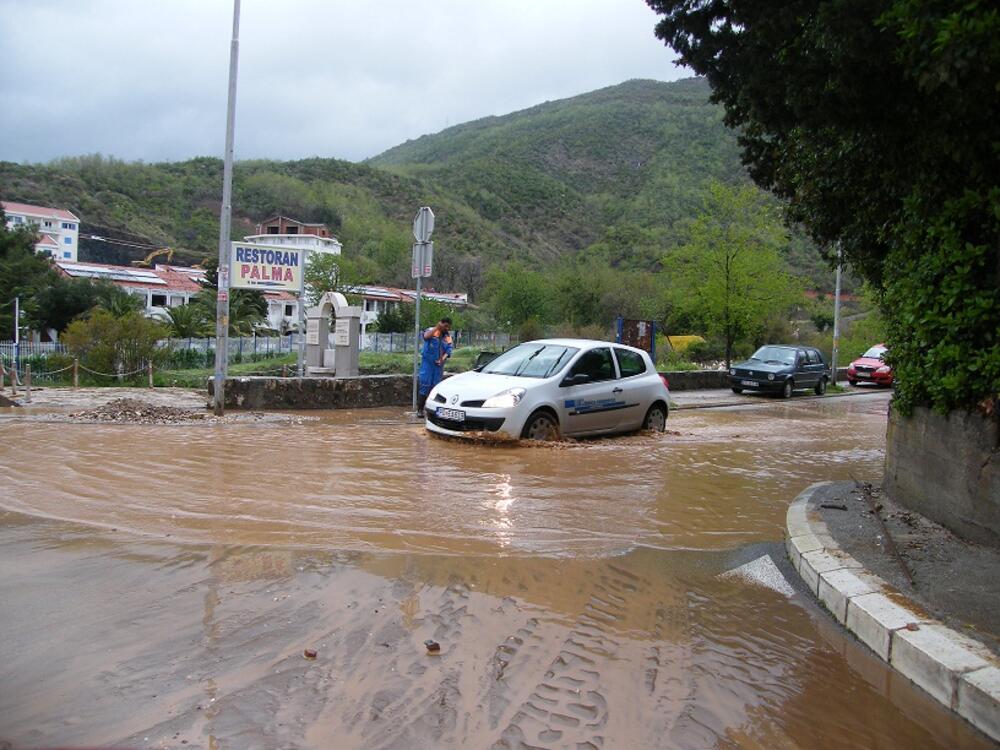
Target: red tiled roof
x=27, y=208
x=47, y=240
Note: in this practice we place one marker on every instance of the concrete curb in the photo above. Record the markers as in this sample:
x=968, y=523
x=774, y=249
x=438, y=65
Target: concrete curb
x=959, y=672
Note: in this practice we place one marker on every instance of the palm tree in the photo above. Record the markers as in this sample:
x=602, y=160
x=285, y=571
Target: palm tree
x=247, y=309
x=188, y=322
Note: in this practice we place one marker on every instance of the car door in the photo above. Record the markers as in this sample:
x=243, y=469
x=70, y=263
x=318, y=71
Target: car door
x=637, y=388
x=805, y=377
x=816, y=364
x=594, y=405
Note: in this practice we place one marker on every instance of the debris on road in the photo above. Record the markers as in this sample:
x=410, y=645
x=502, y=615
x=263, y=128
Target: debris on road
x=309, y=653
x=432, y=646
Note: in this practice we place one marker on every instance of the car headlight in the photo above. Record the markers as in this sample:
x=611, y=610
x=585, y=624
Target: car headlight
x=505, y=399
x=770, y=376
x=732, y=371
x=884, y=370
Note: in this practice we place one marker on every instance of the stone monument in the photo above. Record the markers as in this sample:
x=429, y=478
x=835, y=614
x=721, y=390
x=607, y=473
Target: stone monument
x=342, y=360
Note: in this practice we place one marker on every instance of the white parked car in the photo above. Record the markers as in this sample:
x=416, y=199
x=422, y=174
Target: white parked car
x=551, y=387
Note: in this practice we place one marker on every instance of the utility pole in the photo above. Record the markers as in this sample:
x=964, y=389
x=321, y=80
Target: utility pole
x=417, y=342
x=225, y=224
x=836, y=315
x=17, y=331
x=301, y=354
x=421, y=264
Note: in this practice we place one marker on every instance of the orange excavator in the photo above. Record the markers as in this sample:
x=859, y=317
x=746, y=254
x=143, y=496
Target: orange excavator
x=147, y=262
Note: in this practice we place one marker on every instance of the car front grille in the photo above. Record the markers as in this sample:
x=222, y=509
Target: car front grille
x=469, y=425
x=475, y=404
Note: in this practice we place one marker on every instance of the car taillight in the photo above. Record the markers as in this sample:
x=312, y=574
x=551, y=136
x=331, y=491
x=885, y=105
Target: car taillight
x=666, y=383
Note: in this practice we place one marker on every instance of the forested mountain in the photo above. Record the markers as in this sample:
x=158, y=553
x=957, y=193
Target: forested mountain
x=615, y=176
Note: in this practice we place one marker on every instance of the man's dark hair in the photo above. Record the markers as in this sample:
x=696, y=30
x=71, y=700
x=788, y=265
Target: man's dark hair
x=446, y=320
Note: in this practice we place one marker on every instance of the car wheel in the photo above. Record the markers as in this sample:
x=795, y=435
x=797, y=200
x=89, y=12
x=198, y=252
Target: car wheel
x=541, y=426
x=852, y=382
x=821, y=387
x=656, y=418
x=786, y=392
x=737, y=390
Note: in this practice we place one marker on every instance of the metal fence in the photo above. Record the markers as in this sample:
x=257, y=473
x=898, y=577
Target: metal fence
x=403, y=342
x=275, y=346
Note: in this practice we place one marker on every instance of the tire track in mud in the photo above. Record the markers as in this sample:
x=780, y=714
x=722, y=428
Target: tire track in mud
x=568, y=707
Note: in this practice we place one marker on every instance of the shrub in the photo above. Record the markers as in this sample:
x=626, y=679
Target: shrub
x=108, y=344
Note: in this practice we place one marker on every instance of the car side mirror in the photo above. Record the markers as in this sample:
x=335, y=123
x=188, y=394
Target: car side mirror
x=578, y=379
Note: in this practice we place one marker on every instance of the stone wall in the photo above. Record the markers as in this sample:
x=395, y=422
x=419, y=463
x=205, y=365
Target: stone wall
x=360, y=392
x=948, y=469
x=692, y=380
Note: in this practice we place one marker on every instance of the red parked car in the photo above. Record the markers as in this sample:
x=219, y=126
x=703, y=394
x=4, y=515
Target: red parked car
x=870, y=367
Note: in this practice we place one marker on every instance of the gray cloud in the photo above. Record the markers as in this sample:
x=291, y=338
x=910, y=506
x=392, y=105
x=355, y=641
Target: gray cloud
x=147, y=80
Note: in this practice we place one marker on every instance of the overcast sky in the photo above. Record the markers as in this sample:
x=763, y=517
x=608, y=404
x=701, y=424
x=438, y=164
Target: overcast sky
x=145, y=79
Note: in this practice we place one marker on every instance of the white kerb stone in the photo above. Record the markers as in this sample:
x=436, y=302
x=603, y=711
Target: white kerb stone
x=836, y=587
x=934, y=657
x=814, y=564
x=873, y=617
x=979, y=700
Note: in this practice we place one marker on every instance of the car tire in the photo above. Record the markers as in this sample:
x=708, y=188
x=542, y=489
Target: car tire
x=737, y=390
x=542, y=426
x=821, y=387
x=656, y=418
x=788, y=388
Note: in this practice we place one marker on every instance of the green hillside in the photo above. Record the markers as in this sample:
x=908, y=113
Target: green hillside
x=615, y=176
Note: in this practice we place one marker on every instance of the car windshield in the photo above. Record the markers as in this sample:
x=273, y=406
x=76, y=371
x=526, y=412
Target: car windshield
x=876, y=352
x=531, y=361
x=778, y=355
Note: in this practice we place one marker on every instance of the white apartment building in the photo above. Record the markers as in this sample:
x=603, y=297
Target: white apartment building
x=58, y=229
x=281, y=230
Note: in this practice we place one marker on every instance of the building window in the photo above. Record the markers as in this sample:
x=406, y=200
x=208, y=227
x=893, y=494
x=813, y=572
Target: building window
x=272, y=230
x=66, y=225
x=48, y=223
x=292, y=230
x=67, y=254
x=67, y=240
x=176, y=300
x=16, y=219
x=159, y=300
x=289, y=311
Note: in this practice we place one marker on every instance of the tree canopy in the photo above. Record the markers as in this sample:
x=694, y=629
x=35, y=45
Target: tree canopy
x=877, y=122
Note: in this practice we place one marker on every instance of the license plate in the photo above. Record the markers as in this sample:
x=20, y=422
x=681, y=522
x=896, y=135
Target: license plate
x=455, y=415
x=864, y=374
x=750, y=383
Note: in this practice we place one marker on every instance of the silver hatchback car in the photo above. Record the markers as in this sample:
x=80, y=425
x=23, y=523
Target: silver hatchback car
x=542, y=389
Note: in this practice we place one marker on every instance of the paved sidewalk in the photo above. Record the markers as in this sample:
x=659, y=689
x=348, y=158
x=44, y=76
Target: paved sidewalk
x=710, y=398
x=921, y=599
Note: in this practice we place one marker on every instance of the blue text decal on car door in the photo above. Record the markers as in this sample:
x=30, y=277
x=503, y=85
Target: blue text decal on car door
x=590, y=406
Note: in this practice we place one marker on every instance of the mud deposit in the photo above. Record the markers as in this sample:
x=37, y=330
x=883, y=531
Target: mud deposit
x=579, y=595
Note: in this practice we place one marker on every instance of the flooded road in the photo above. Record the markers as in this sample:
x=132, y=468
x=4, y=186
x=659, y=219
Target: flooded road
x=161, y=583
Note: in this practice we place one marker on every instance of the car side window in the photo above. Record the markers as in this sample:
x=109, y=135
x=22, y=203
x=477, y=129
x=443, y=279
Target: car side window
x=630, y=363
x=596, y=363
x=801, y=359
x=814, y=358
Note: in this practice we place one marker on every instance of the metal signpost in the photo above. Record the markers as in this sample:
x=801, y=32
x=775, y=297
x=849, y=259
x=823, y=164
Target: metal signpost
x=421, y=266
x=225, y=223
x=836, y=317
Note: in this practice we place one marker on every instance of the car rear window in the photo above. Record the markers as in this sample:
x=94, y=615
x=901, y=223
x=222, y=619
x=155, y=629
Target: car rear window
x=630, y=363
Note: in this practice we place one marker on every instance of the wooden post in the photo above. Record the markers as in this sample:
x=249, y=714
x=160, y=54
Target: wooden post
x=27, y=383
x=284, y=371
x=76, y=373
x=149, y=372
x=3, y=372
x=13, y=382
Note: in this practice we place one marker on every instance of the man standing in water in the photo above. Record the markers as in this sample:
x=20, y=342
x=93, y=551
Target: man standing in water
x=437, y=348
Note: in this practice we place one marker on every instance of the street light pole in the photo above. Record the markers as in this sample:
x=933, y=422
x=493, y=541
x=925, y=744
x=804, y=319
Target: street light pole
x=836, y=315
x=225, y=225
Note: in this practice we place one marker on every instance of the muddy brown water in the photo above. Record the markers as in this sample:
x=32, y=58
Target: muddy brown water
x=160, y=584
